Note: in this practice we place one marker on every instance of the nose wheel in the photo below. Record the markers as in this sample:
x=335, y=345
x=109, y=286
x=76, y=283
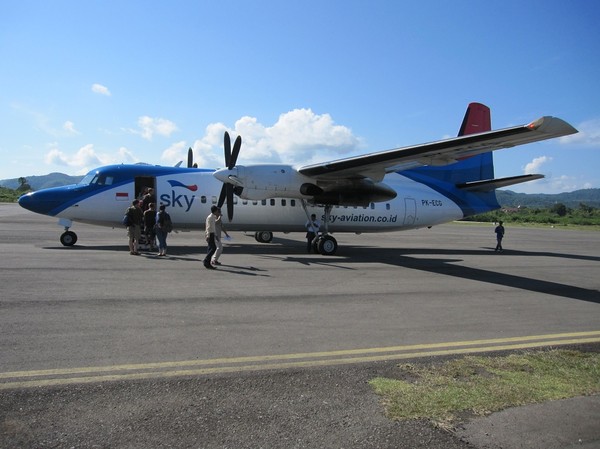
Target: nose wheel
x=68, y=238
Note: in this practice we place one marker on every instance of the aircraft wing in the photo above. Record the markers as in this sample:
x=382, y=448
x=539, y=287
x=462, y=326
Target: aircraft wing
x=443, y=152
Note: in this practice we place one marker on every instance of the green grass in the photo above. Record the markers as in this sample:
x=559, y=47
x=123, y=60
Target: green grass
x=481, y=385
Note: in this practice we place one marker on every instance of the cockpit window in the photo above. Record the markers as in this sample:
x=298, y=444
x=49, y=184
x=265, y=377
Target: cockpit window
x=87, y=179
x=100, y=179
x=104, y=180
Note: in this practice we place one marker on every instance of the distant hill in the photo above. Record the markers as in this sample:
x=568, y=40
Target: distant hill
x=507, y=198
x=589, y=197
x=43, y=182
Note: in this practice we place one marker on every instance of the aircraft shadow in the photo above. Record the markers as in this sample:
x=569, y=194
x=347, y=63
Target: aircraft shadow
x=441, y=261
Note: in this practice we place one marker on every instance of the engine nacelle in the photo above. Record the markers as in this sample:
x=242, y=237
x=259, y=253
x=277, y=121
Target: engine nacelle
x=358, y=193
x=258, y=182
x=266, y=181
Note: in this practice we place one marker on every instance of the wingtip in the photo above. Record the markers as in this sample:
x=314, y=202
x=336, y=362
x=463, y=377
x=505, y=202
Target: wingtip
x=552, y=125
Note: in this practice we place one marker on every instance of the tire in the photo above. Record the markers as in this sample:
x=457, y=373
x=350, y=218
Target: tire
x=327, y=245
x=68, y=238
x=263, y=236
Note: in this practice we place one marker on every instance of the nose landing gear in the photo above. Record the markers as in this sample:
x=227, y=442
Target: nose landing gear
x=68, y=238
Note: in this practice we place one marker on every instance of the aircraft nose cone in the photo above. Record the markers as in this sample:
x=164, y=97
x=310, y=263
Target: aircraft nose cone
x=26, y=202
x=42, y=202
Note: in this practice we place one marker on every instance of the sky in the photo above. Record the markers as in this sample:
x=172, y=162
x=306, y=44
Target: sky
x=90, y=83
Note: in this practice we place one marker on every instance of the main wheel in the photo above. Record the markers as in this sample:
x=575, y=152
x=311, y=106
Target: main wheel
x=68, y=238
x=327, y=245
x=263, y=236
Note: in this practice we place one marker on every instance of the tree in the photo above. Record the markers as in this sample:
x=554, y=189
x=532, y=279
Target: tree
x=23, y=185
x=559, y=209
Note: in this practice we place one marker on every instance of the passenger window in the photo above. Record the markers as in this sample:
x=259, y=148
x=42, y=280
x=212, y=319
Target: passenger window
x=283, y=202
x=272, y=202
x=203, y=199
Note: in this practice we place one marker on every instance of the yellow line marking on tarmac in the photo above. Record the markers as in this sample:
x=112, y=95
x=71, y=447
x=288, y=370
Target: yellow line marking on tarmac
x=161, y=370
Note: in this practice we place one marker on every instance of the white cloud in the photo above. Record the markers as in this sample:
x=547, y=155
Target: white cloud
x=174, y=153
x=86, y=158
x=588, y=135
x=150, y=126
x=100, y=89
x=69, y=127
x=534, y=166
x=298, y=137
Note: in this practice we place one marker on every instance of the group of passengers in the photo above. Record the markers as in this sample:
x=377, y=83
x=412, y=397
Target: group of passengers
x=144, y=220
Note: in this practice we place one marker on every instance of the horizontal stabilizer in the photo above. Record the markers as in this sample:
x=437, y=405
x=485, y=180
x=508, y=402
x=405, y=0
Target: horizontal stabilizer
x=490, y=184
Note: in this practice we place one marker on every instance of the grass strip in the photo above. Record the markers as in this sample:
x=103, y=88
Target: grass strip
x=481, y=385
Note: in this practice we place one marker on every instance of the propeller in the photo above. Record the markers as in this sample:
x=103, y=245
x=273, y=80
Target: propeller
x=190, y=159
x=230, y=160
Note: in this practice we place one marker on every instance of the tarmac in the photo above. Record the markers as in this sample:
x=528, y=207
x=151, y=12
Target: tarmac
x=206, y=360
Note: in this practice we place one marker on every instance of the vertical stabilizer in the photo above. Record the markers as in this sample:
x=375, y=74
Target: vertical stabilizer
x=474, y=169
x=477, y=120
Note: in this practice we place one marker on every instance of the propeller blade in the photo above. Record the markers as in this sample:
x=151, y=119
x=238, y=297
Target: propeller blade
x=236, y=151
x=228, y=189
x=222, y=195
x=190, y=161
x=229, y=202
x=227, y=147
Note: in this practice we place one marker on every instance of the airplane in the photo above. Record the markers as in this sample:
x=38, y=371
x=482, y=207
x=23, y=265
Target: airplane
x=404, y=188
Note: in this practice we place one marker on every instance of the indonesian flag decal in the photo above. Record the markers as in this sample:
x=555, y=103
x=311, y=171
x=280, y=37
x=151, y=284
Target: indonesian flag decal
x=122, y=196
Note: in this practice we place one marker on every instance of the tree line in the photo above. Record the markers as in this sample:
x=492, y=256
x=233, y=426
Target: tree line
x=558, y=214
x=12, y=195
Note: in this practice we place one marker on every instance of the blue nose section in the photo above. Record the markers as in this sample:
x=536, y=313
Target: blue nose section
x=39, y=202
x=49, y=201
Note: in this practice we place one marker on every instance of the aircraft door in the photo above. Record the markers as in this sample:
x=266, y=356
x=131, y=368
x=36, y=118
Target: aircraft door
x=142, y=184
x=410, y=211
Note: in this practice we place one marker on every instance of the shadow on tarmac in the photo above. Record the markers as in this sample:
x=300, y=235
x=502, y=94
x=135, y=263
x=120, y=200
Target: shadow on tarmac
x=443, y=262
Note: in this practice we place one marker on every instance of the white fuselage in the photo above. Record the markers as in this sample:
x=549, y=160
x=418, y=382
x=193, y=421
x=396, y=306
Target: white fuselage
x=415, y=206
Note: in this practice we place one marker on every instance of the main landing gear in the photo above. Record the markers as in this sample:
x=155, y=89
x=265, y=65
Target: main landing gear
x=324, y=243
x=263, y=236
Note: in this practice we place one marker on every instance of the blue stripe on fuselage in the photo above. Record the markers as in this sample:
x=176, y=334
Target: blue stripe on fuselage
x=54, y=200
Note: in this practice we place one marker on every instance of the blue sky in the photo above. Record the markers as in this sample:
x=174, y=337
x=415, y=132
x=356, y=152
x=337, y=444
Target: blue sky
x=89, y=83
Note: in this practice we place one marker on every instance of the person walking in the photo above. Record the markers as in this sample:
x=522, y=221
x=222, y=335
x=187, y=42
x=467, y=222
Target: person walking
x=163, y=226
x=499, y=236
x=149, y=226
x=134, y=227
x=312, y=229
x=209, y=230
x=219, y=228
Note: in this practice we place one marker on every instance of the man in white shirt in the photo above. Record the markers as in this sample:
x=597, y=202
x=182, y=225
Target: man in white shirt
x=210, y=230
x=219, y=228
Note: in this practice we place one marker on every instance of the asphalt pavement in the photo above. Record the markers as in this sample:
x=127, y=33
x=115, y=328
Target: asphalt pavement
x=275, y=349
